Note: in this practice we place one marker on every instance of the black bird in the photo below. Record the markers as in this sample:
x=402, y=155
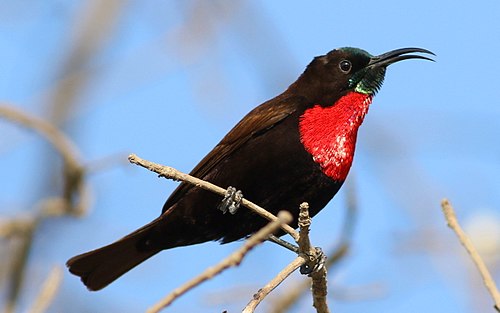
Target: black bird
x=296, y=147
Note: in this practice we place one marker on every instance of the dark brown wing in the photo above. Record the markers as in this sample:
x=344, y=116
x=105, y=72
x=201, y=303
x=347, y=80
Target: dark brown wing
x=255, y=123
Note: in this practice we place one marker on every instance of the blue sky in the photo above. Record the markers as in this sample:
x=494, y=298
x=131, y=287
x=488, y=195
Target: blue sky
x=169, y=79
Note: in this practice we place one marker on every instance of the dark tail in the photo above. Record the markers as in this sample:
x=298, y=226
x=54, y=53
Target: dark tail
x=100, y=267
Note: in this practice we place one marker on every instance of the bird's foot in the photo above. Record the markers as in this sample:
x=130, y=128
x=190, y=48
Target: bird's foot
x=317, y=262
x=232, y=200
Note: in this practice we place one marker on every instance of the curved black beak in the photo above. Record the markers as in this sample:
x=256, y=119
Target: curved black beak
x=393, y=56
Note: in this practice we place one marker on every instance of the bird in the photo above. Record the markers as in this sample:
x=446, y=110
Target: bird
x=296, y=147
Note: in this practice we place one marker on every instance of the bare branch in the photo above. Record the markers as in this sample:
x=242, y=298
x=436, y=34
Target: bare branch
x=172, y=173
x=53, y=135
x=319, y=283
x=75, y=195
x=304, y=224
x=10, y=228
x=286, y=301
x=452, y=221
x=271, y=285
x=232, y=260
x=320, y=290
x=74, y=199
x=48, y=291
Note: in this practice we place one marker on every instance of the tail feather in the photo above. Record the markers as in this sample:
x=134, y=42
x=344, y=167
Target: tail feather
x=100, y=267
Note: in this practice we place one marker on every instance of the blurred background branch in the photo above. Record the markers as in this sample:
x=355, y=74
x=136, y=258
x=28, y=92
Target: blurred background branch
x=73, y=200
x=451, y=219
x=48, y=291
x=90, y=33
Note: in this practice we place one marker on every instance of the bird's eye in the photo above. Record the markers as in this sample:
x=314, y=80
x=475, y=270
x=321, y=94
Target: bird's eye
x=345, y=66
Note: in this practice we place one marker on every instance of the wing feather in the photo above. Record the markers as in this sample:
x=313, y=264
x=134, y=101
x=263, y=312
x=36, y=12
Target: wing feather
x=256, y=123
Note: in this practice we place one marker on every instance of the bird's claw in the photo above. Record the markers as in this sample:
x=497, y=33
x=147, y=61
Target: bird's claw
x=232, y=200
x=316, y=263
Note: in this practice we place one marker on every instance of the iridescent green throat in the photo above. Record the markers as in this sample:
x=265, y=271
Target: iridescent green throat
x=368, y=80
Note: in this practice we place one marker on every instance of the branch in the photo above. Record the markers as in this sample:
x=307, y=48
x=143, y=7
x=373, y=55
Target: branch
x=232, y=260
x=171, y=173
x=320, y=290
x=309, y=258
x=75, y=195
x=285, y=302
x=271, y=285
x=74, y=199
x=452, y=221
x=53, y=135
x=48, y=291
x=304, y=224
x=319, y=283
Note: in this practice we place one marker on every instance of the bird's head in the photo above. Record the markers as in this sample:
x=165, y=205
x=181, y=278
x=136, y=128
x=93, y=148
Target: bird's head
x=338, y=88
x=349, y=69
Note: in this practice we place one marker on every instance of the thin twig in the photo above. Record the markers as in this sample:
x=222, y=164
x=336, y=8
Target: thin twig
x=319, y=282
x=271, y=285
x=48, y=291
x=172, y=173
x=283, y=303
x=76, y=195
x=74, y=199
x=234, y=259
x=304, y=224
x=452, y=221
x=18, y=267
x=51, y=133
x=286, y=301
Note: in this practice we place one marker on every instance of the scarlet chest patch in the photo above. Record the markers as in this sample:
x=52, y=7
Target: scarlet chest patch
x=329, y=133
